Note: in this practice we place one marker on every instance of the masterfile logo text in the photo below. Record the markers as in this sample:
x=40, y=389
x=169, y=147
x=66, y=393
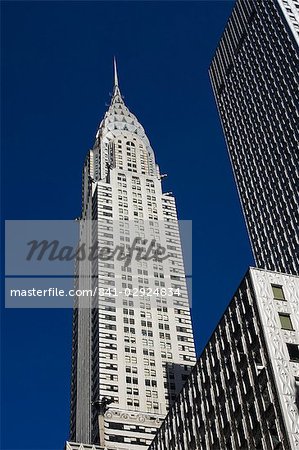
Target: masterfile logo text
x=46, y=259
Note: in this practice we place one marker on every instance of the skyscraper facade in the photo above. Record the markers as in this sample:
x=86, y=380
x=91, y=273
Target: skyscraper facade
x=132, y=339
x=243, y=393
x=255, y=78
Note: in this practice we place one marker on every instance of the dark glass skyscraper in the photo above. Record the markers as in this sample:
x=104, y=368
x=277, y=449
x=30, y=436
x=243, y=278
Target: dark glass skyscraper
x=255, y=78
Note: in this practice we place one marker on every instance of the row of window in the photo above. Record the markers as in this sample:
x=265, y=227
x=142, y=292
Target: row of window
x=285, y=322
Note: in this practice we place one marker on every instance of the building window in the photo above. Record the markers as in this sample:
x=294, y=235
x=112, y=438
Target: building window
x=285, y=321
x=293, y=350
x=274, y=435
x=266, y=397
x=297, y=392
x=278, y=293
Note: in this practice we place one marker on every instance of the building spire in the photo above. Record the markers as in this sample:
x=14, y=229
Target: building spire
x=116, y=97
x=115, y=72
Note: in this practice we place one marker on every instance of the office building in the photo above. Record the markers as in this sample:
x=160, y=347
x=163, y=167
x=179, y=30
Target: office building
x=255, y=79
x=132, y=340
x=243, y=392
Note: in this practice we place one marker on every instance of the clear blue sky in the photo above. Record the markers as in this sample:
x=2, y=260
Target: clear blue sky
x=56, y=78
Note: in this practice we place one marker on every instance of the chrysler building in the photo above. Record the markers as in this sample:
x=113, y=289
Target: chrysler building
x=133, y=344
